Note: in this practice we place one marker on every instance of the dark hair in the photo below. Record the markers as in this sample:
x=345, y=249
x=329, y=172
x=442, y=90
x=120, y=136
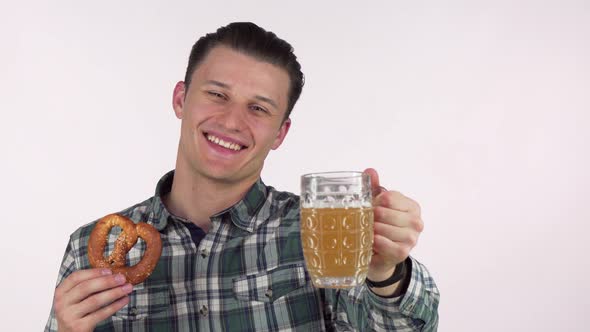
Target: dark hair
x=254, y=41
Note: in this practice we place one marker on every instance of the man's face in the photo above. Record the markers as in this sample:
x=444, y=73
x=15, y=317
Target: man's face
x=232, y=115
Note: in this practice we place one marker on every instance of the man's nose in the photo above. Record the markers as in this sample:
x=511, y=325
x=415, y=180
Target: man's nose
x=234, y=116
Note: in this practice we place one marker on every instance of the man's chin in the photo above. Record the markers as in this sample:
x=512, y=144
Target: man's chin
x=228, y=177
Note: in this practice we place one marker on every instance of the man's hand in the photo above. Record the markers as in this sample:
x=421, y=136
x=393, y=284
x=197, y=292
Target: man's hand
x=396, y=230
x=87, y=297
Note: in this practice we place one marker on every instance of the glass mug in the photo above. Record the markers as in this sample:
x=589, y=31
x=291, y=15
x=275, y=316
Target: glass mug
x=337, y=227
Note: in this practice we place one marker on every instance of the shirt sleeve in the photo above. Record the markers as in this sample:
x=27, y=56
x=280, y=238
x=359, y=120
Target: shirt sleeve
x=68, y=265
x=359, y=309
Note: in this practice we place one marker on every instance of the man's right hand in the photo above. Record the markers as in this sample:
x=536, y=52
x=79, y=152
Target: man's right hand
x=87, y=297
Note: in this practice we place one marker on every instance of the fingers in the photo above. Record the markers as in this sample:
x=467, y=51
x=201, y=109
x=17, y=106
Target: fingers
x=392, y=199
x=397, y=201
x=396, y=231
x=84, y=293
x=389, y=251
x=105, y=312
x=397, y=226
x=101, y=300
x=80, y=276
x=398, y=218
x=402, y=235
x=71, y=322
x=88, y=287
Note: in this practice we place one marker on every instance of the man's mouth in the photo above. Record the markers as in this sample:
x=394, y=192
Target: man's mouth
x=225, y=144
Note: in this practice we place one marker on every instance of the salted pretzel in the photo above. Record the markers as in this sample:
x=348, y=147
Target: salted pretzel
x=130, y=232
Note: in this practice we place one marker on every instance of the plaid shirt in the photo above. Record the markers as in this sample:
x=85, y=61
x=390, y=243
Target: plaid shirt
x=246, y=274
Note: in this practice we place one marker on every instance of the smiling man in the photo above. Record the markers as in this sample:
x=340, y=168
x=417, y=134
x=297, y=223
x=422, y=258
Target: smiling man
x=232, y=258
x=233, y=113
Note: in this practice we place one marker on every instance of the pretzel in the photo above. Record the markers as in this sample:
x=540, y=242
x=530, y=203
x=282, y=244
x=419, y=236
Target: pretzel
x=130, y=232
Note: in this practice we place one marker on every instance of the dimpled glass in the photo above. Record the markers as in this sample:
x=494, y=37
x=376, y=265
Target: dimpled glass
x=336, y=227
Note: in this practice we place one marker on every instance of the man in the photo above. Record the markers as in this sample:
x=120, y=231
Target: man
x=232, y=258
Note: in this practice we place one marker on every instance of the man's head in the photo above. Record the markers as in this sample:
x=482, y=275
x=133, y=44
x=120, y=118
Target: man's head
x=252, y=40
x=241, y=84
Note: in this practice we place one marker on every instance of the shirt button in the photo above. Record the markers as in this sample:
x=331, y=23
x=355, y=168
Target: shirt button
x=204, y=253
x=133, y=311
x=268, y=293
x=204, y=311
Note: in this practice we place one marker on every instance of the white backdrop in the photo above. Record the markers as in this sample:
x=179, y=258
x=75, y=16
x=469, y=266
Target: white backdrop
x=478, y=110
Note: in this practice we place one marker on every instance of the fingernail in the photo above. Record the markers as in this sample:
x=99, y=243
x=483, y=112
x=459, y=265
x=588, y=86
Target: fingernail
x=106, y=272
x=127, y=288
x=119, y=278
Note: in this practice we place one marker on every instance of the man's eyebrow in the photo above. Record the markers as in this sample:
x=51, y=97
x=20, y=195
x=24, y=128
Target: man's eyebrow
x=217, y=83
x=257, y=97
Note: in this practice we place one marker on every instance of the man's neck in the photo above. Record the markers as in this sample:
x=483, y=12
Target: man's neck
x=196, y=197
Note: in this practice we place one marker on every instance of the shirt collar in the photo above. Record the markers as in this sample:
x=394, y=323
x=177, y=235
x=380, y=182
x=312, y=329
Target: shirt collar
x=246, y=214
x=159, y=214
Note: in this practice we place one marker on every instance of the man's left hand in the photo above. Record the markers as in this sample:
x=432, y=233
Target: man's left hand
x=397, y=226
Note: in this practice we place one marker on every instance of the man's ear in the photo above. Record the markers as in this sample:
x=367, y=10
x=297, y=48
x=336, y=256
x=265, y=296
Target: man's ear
x=281, y=134
x=178, y=99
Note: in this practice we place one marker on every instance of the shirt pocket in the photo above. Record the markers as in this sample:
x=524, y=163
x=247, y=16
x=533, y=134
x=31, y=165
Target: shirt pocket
x=271, y=285
x=151, y=301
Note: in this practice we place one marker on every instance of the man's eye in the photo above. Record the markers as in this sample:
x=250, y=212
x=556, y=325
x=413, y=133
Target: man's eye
x=216, y=94
x=258, y=109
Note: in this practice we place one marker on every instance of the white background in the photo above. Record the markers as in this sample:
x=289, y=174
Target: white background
x=478, y=110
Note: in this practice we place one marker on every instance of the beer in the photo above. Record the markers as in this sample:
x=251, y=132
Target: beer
x=337, y=244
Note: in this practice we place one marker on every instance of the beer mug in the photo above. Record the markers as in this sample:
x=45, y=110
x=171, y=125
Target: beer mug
x=337, y=227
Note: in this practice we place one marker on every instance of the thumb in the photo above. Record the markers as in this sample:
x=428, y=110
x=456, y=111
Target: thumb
x=375, y=186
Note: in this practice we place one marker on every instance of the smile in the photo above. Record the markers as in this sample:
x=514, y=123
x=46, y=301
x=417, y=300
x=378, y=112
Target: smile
x=220, y=142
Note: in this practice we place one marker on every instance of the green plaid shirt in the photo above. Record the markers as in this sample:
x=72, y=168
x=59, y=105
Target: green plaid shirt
x=247, y=274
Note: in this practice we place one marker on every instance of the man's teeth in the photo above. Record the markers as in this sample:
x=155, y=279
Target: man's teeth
x=227, y=145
